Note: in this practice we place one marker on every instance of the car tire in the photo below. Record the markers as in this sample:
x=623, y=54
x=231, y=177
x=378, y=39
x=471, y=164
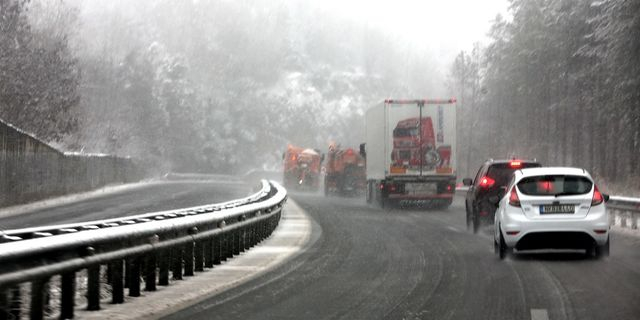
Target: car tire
x=601, y=251
x=476, y=222
x=503, y=250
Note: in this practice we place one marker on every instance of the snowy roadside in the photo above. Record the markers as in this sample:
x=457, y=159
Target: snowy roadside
x=289, y=239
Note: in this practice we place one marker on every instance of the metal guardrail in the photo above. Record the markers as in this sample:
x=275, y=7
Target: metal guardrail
x=624, y=211
x=149, y=247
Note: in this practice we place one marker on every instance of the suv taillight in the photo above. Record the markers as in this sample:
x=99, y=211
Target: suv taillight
x=486, y=182
x=513, y=198
x=597, y=197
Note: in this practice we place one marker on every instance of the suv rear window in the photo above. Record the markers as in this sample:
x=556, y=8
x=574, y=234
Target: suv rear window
x=501, y=172
x=554, y=185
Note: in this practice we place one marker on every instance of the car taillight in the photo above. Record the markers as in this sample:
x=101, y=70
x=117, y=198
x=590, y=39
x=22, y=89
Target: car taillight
x=513, y=198
x=486, y=182
x=597, y=197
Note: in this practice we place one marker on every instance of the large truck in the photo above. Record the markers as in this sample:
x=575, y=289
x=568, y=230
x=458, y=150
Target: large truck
x=410, y=152
x=301, y=168
x=344, y=174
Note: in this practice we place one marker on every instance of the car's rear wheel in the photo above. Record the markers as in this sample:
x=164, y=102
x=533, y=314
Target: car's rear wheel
x=601, y=251
x=502, y=249
x=476, y=221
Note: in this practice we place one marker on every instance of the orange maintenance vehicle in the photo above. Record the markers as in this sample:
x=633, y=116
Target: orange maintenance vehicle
x=345, y=172
x=302, y=168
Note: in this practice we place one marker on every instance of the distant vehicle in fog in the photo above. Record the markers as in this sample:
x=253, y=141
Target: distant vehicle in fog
x=491, y=179
x=344, y=172
x=552, y=208
x=301, y=168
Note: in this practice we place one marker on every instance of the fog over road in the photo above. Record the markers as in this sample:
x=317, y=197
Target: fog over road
x=368, y=263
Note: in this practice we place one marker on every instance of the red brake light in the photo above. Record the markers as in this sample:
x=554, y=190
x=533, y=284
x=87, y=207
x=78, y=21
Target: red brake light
x=486, y=182
x=515, y=164
x=597, y=197
x=513, y=198
x=349, y=151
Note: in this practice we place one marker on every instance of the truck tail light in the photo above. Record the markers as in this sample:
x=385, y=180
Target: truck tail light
x=486, y=182
x=597, y=197
x=513, y=198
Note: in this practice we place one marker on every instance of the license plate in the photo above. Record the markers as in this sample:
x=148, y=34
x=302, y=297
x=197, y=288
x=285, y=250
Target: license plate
x=557, y=208
x=421, y=188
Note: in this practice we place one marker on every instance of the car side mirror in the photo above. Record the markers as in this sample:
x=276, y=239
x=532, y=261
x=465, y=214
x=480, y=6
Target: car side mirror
x=467, y=181
x=606, y=197
x=494, y=200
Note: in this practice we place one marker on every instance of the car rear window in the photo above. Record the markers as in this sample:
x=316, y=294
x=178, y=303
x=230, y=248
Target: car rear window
x=554, y=185
x=501, y=172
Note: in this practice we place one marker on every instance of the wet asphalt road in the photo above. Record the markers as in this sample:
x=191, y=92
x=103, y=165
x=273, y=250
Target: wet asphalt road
x=369, y=263
x=165, y=195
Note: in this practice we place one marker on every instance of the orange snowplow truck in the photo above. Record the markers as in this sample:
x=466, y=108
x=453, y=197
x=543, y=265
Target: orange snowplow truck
x=345, y=172
x=302, y=168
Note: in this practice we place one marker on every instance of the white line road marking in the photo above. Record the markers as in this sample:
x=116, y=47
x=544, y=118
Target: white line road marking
x=539, y=314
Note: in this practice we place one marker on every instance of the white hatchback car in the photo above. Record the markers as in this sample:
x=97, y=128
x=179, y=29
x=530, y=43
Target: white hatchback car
x=551, y=208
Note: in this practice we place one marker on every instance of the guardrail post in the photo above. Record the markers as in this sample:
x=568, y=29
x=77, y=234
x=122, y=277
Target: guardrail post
x=38, y=292
x=634, y=220
x=217, y=249
x=228, y=245
x=623, y=218
x=4, y=304
x=176, y=264
x=199, y=256
x=127, y=274
x=247, y=237
x=15, y=302
x=10, y=303
x=163, y=266
x=188, y=259
x=261, y=230
x=68, y=295
x=244, y=237
x=117, y=281
x=93, y=288
x=208, y=252
x=236, y=242
x=150, y=272
x=134, y=278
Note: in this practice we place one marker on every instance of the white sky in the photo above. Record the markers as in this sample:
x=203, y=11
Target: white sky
x=444, y=26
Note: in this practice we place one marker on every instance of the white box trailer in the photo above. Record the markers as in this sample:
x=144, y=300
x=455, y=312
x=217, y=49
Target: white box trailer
x=410, y=150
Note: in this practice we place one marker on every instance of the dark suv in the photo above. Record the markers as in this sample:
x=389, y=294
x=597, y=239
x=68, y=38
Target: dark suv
x=490, y=181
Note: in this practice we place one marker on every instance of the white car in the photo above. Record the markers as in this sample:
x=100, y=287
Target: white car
x=551, y=208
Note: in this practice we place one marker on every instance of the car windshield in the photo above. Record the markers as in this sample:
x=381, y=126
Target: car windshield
x=554, y=185
x=501, y=173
